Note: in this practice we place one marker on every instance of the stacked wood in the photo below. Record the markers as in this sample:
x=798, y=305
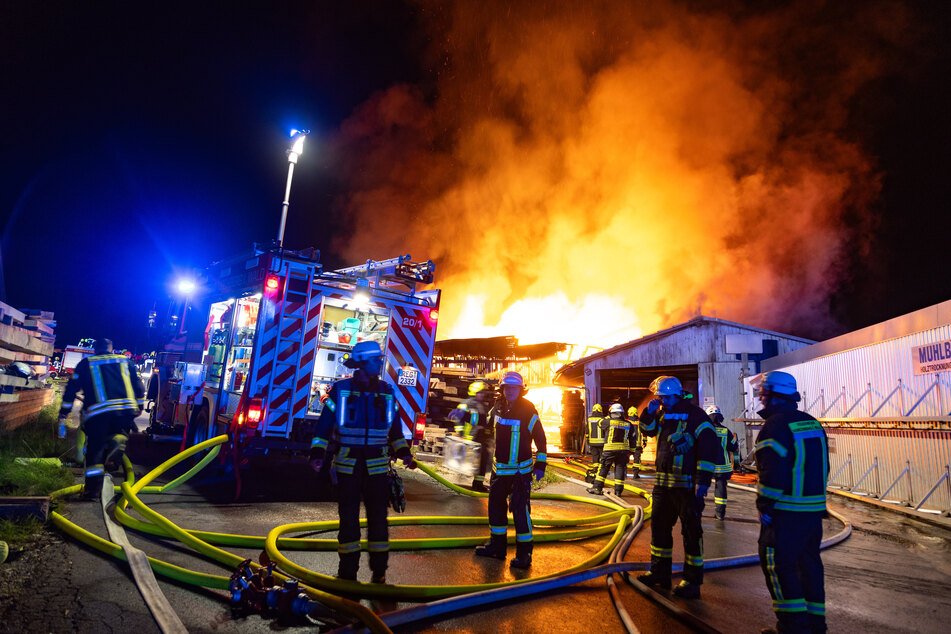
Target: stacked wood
x=25, y=336
x=433, y=439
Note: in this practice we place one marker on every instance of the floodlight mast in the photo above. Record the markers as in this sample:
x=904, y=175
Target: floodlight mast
x=293, y=153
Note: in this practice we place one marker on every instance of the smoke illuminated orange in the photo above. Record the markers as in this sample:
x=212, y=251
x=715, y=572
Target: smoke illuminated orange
x=588, y=172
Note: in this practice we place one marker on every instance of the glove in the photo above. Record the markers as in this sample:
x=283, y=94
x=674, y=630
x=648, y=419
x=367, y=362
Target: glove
x=409, y=462
x=653, y=405
x=702, y=496
x=681, y=441
x=316, y=464
x=765, y=519
x=538, y=473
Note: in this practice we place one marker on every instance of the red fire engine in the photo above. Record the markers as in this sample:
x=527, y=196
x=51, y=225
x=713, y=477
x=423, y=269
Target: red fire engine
x=276, y=331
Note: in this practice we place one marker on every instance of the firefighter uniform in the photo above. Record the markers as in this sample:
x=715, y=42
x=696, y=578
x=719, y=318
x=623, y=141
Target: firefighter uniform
x=687, y=450
x=113, y=396
x=360, y=420
x=618, y=437
x=793, y=463
x=724, y=467
x=472, y=424
x=595, y=442
x=637, y=441
x=516, y=426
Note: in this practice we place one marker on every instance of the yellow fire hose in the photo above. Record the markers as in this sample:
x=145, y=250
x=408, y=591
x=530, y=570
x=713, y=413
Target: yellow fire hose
x=206, y=543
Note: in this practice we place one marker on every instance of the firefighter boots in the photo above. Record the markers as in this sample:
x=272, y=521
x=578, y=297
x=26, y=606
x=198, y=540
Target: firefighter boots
x=378, y=577
x=523, y=556
x=618, y=491
x=654, y=580
x=595, y=490
x=495, y=548
x=687, y=590
x=479, y=485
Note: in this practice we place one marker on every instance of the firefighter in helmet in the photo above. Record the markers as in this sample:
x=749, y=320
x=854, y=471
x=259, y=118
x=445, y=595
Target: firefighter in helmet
x=792, y=456
x=616, y=429
x=638, y=441
x=595, y=441
x=724, y=468
x=360, y=419
x=516, y=426
x=687, y=450
x=113, y=395
x=471, y=424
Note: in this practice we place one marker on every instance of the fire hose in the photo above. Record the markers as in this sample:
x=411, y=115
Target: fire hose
x=319, y=587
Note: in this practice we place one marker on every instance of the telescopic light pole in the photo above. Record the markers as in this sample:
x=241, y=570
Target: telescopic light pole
x=293, y=152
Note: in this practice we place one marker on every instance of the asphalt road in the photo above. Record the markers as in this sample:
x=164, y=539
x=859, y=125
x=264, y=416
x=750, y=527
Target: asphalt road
x=892, y=575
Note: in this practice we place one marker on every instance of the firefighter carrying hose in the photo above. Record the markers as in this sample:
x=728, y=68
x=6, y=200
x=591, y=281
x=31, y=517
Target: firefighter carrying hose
x=595, y=441
x=113, y=395
x=471, y=424
x=361, y=420
x=638, y=441
x=616, y=430
x=517, y=426
x=792, y=457
x=687, y=450
x=724, y=468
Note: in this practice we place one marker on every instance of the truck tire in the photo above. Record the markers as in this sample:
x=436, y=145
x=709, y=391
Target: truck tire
x=198, y=426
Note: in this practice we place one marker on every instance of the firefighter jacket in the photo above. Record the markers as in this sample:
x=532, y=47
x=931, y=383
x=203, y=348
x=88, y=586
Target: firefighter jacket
x=729, y=445
x=793, y=461
x=595, y=435
x=687, y=447
x=517, y=426
x=471, y=421
x=109, y=383
x=360, y=419
x=618, y=434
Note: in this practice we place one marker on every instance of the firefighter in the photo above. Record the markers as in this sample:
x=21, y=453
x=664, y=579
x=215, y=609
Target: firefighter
x=595, y=441
x=687, y=450
x=616, y=429
x=471, y=424
x=516, y=426
x=724, y=468
x=638, y=442
x=113, y=395
x=360, y=419
x=793, y=462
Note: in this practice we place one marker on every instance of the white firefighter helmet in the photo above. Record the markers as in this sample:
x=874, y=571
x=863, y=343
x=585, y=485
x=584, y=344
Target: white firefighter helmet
x=666, y=386
x=713, y=409
x=617, y=408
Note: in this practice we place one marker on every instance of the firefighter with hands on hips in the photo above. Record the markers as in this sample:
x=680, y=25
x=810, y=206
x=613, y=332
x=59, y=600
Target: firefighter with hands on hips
x=516, y=426
x=360, y=420
x=724, y=468
x=687, y=450
x=792, y=458
x=113, y=395
x=638, y=441
x=595, y=441
x=616, y=429
x=471, y=424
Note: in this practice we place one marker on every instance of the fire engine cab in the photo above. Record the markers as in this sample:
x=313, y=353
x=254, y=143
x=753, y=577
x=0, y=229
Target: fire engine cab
x=277, y=329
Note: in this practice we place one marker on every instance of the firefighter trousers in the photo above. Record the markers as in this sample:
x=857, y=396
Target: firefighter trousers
x=789, y=556
x=719, y=494
x=596, y=451
x=669, y=504
x=511, y=492
x=375, y=492
x=636, y=454
x=485, y=462
x=618, y=459
x=104, y=434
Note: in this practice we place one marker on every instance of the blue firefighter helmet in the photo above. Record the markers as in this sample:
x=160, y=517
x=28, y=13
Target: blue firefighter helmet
x=667, y=386
x=781, y=384
x=363, y=352
x=513, y=378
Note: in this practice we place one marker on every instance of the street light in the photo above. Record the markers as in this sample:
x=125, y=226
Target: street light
x=293, y=153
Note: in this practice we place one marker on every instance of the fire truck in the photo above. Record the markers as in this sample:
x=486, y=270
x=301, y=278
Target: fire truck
x=269, y=336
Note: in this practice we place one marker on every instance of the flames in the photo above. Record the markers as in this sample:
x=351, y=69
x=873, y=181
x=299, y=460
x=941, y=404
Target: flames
x=588, y=172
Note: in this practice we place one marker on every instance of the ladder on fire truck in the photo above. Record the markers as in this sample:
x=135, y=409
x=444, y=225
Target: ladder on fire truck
x=387, y=274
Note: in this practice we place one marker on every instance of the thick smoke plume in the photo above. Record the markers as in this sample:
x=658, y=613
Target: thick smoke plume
x=588, y=172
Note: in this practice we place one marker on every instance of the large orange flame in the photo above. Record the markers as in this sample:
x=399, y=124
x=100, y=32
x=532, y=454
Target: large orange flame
x=586, y=172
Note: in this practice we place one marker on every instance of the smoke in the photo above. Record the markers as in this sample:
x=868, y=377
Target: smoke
x=588, y=172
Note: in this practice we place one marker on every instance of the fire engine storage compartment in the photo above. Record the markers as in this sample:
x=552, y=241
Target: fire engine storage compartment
x=695, y=352
x=345, y=323
x=883, y=395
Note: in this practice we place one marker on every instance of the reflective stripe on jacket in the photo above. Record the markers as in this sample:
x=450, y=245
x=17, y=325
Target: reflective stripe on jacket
x=617, y=434
x=516, y=427
x=729, y=445
x=109, y=383
x=792, y=457
x=696, y=462
x=595, y=435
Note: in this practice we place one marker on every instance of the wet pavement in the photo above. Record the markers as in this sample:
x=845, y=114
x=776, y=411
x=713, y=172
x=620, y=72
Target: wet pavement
x=892, y=575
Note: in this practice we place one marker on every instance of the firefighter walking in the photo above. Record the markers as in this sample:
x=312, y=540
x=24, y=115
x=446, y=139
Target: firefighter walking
x=687, y=451
x=793, y=463
x=637, y=442
x=724, y=469
x=517, y=426
x=595, y=438
x=471, y=424
x=113, y=396
x=617, y=449
x=360, y=423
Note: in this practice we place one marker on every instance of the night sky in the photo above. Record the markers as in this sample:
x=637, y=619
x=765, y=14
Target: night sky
x=142, y=140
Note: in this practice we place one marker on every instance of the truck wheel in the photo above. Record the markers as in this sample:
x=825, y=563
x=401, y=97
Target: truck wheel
x=198, y=426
